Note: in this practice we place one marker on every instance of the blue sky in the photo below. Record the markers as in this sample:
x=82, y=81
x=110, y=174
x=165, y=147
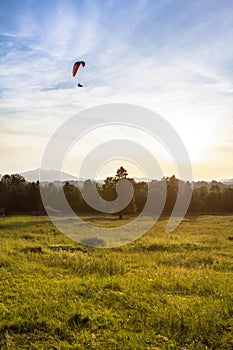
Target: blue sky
x=174, y=57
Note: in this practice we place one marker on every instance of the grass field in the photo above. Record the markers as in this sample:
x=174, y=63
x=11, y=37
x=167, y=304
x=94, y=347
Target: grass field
x=164, y=291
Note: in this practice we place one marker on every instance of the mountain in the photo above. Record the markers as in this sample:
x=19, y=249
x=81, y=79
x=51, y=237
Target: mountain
x=55, y=176
x=47, y=175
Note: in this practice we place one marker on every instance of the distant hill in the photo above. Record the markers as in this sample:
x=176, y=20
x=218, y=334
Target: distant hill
x=55, y=176
x=227, y=181
x=47, y=175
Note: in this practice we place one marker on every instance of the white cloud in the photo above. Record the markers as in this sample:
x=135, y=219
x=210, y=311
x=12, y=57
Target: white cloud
x=179, y=69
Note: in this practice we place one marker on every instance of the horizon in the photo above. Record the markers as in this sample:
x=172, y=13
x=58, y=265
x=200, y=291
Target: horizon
x=224, y=180
x=182, y=70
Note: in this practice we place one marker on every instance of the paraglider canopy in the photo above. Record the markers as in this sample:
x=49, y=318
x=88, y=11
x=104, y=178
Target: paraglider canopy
x=76, y=66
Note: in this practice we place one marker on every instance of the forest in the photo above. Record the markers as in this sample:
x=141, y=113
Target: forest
x=19, y=196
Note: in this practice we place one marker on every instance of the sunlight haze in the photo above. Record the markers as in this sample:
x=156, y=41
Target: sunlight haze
x=173, y=57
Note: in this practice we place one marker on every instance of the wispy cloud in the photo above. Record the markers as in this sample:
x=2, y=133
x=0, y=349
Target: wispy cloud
x=173, y=57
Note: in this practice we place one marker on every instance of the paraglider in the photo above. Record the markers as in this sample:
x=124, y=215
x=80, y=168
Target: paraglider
x=76, y=68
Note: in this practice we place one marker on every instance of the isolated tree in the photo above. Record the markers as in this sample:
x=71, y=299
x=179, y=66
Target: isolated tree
x=121, y=174
x=109, y=192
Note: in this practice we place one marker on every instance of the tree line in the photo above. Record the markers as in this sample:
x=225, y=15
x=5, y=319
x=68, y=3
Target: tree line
x=18, y=195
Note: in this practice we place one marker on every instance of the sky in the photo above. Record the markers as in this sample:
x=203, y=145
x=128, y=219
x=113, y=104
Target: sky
x=173, y=57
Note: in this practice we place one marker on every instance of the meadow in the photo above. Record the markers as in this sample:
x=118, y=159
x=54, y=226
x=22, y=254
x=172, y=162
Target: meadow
x=162, y=292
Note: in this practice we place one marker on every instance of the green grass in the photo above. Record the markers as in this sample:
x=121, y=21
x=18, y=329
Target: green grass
x=164, y=291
